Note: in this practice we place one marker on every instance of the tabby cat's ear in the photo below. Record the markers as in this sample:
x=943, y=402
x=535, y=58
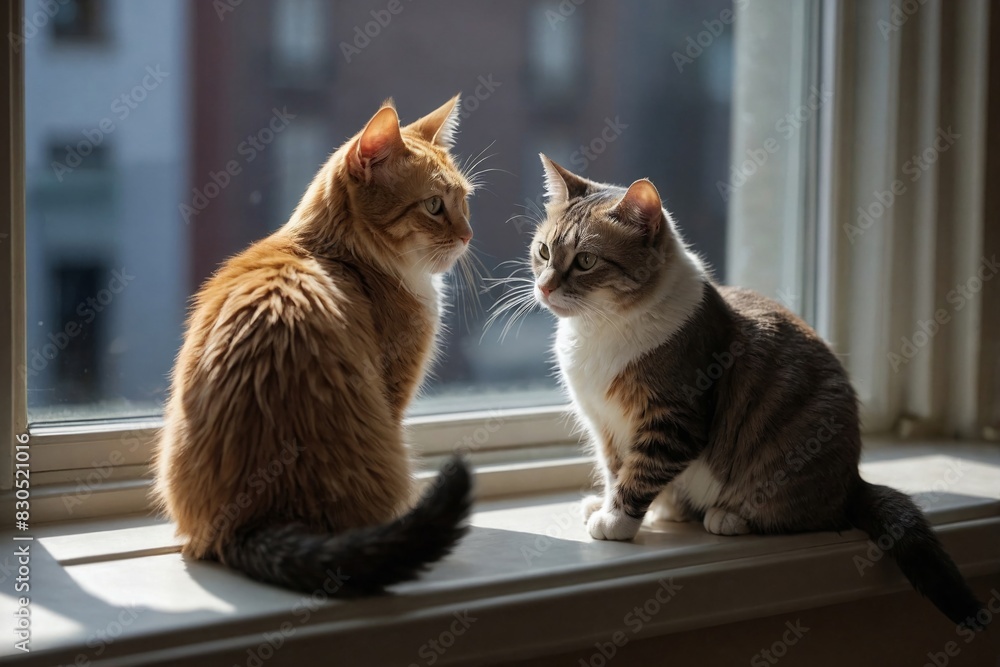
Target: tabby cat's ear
x=378, y=141
x=641, y=206
x=561, y=185
x=439, y=126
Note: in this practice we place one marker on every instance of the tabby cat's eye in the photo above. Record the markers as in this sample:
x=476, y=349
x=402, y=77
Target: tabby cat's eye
x=586, y=260
x=434, y=205
x=543, y=251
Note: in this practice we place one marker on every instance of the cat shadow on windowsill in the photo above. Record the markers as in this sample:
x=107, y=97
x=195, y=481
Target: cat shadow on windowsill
x=108, y=630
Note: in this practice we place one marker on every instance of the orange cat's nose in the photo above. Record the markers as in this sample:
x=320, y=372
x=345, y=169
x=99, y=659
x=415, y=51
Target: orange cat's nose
x=466, y=236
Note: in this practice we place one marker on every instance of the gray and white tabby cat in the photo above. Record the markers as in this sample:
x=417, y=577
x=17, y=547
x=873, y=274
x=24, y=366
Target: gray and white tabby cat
x=704, y=402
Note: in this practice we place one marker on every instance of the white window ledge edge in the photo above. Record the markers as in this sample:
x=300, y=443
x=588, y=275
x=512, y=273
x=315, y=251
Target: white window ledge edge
x=84, y=445
x=99, y=493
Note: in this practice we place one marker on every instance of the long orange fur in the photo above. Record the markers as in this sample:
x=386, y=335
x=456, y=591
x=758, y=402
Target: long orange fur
x=302, y=353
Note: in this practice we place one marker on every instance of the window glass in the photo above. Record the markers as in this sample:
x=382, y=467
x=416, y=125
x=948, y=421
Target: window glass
x=192, y=128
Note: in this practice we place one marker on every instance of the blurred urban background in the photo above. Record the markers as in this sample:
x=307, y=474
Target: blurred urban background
x=166, y=135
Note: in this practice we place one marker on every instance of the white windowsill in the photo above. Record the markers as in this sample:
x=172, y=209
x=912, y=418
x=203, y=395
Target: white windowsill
x=530, y=594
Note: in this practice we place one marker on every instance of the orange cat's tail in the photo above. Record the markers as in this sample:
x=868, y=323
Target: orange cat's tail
x=362, y=561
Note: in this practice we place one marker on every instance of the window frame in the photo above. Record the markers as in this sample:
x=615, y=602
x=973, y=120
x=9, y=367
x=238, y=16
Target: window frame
x=62, y=456
x=13, y=394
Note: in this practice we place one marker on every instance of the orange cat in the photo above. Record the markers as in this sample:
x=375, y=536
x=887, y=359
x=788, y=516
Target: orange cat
x=282, y=453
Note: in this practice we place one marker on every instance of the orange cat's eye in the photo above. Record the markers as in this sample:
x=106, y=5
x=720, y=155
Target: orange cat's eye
x=434, y=205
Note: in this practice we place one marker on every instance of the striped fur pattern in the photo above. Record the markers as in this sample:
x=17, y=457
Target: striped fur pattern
x=706, y=403
x=283, y=440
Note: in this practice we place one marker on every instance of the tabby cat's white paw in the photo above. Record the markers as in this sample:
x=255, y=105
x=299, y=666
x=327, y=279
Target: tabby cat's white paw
x=721, y=522
x=605, y=525
x=590, y=504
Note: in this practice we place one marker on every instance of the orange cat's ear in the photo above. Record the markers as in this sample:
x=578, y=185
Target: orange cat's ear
x=381, y=137
x=641, y=206
x=561, y=185
x=439, y=126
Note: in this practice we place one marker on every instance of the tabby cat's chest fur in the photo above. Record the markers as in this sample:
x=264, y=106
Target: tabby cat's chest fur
x=590, y=358
x=598, y=357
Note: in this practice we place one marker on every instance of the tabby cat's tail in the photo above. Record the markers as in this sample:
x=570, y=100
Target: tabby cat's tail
x=362, y=561
x=896, y=525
